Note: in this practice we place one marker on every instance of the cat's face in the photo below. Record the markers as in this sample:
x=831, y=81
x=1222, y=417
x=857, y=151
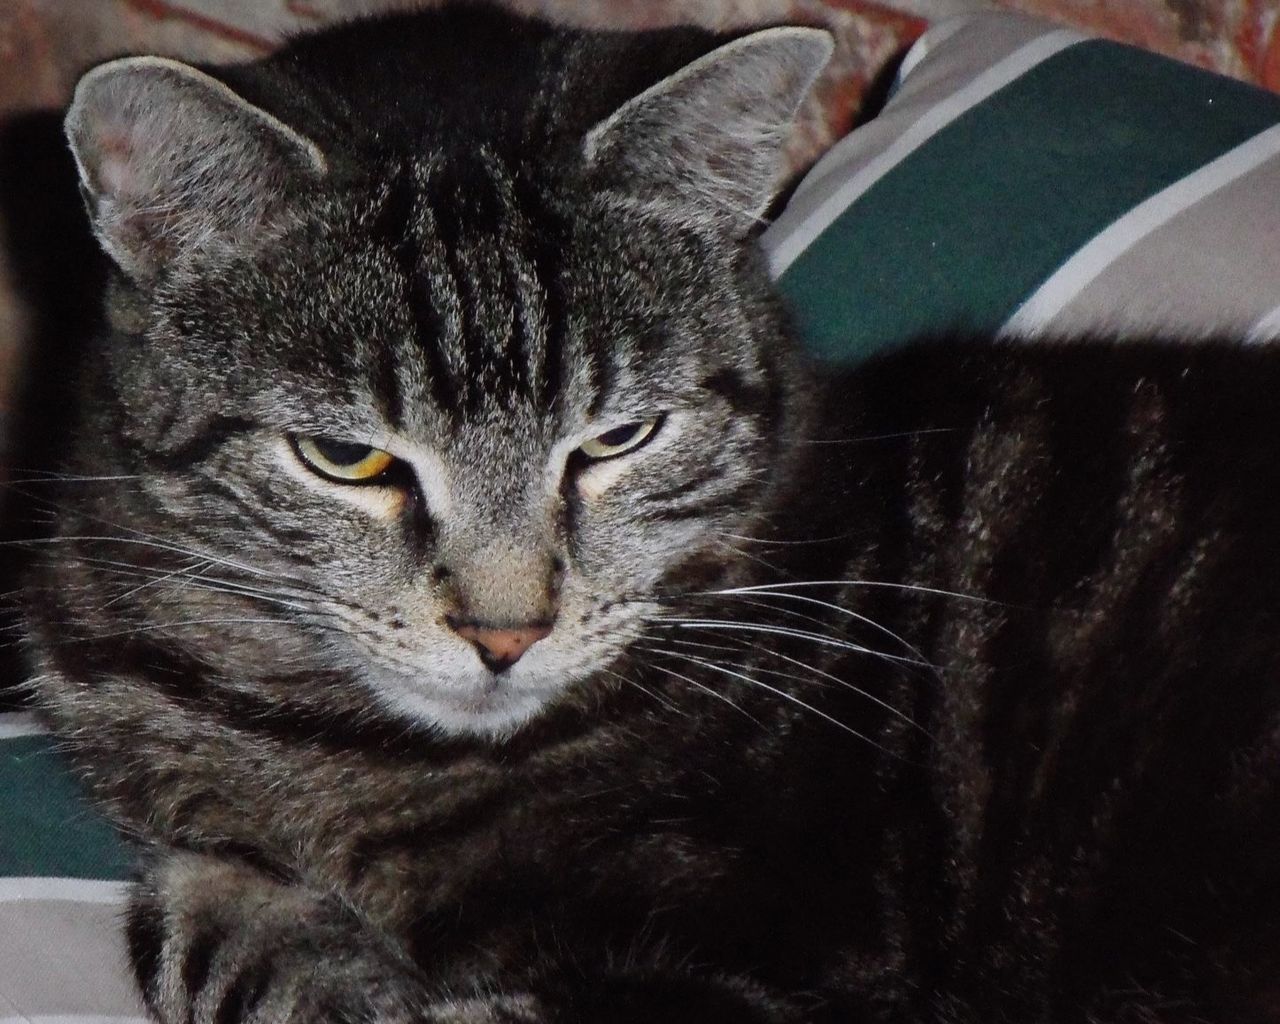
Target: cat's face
x=580, y=435
x=456, y=429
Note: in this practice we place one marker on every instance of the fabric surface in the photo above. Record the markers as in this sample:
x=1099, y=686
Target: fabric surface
x=62, y=871
x=1020, y=173
x=1032, y=178
x=48, y=828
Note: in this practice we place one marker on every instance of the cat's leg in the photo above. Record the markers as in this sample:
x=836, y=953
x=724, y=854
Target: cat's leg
x=216, y=941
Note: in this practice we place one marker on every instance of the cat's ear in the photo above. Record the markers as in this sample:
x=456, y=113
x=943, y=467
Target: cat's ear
x=171, y=160
x=708, y=141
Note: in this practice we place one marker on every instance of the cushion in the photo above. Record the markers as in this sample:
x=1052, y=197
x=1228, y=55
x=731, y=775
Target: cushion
x=1028, y=178
x=62, y=888
x=1021, y=177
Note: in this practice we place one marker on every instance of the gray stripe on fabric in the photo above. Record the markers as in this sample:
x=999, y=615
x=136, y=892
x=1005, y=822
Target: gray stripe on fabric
x=64, y=959
x=67, y=890
x=1187, y=275
x=875, y=149
x=982, y=41
x=73, y=1018
x=925, y=45
x=1057, y=304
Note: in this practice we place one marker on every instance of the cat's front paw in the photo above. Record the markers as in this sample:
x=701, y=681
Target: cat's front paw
x=215, y=941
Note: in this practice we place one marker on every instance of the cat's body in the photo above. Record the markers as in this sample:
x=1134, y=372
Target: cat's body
x=948, y=692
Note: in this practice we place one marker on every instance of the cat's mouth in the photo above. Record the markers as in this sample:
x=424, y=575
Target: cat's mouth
x=481, y=703
x=455, y=689
x=495, y=710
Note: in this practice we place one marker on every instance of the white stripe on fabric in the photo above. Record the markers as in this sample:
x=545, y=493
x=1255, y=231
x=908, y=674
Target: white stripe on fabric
x=20, y=723
x=75, y=1018
x=63, y=890
x=1266, y=329
x=784, y=250
x=1113, y=241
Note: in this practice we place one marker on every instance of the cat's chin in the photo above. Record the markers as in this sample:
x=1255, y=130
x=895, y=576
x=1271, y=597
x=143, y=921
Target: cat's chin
x=492, y=710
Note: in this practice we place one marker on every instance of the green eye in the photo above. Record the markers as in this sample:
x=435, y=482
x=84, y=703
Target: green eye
x=347, y=462
x=620, y=440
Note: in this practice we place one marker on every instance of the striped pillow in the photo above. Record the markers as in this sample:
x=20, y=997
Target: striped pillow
x=61, y=893
x=1030, y=178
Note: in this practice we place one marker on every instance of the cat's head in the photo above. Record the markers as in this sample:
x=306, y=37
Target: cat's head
x=455, y=423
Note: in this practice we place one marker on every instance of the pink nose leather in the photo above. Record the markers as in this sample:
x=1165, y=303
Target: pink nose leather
x=501, y=648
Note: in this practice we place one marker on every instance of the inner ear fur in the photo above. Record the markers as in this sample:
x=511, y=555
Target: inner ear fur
x=707, y=142
x=173, y=161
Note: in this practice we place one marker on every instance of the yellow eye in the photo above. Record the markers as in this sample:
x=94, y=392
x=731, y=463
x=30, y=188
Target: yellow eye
x=347, y=462
x=620, y=440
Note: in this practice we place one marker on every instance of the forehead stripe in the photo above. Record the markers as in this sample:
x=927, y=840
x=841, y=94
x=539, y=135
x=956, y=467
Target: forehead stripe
x=482, y=236
x=547, y=372
x=437, y=300
x=392, y=227
x=481, y=285
x=395, y=227
x=528, y=343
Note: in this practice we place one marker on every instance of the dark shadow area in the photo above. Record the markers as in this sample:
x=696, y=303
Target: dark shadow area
x=58, y=272
x=880, y=88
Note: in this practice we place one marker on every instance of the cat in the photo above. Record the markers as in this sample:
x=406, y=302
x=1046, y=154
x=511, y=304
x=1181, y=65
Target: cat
x=479, y=609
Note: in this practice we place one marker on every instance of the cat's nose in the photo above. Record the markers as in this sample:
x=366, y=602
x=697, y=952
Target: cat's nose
x=500, y=647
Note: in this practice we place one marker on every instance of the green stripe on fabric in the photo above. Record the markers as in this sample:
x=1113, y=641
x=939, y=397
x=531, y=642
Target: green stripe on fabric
x=46, y=827
x=959, y=234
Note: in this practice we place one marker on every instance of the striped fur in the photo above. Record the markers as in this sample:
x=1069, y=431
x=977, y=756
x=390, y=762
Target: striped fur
x=943, y=690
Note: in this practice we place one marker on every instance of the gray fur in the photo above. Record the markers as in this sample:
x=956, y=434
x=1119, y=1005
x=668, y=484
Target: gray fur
x=477, y=307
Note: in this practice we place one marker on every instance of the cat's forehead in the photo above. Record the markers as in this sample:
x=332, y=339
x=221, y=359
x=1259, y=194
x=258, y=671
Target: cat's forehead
x=477, y=296
x=478, y=255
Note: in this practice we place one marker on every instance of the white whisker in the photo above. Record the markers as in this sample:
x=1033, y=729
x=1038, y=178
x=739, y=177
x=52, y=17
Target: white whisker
x=700, y=686
x=645, y=690
x=853, y=583
x=876, y=437
x=794, y=700
x=154, y=582
x=748, y=555
x=159, y=545
x=787, y=543
x=830, y=677
x=154, y=626
x=802, y=634
x=197, y=581
x=849, y=612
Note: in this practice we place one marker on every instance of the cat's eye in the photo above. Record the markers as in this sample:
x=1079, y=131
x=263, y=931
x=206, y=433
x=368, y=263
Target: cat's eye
x=620, y=440
x=347, y=462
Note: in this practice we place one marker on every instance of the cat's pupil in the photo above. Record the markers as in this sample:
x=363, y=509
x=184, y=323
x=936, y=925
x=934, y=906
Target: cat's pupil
x=619, y=436
x=341, y=453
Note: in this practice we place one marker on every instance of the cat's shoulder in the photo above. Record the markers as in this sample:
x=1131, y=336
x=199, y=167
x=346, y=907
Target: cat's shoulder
x=939, y=362
x=1198, y=392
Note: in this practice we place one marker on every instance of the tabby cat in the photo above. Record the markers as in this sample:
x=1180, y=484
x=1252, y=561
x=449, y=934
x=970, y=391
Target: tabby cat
x=480, y=611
